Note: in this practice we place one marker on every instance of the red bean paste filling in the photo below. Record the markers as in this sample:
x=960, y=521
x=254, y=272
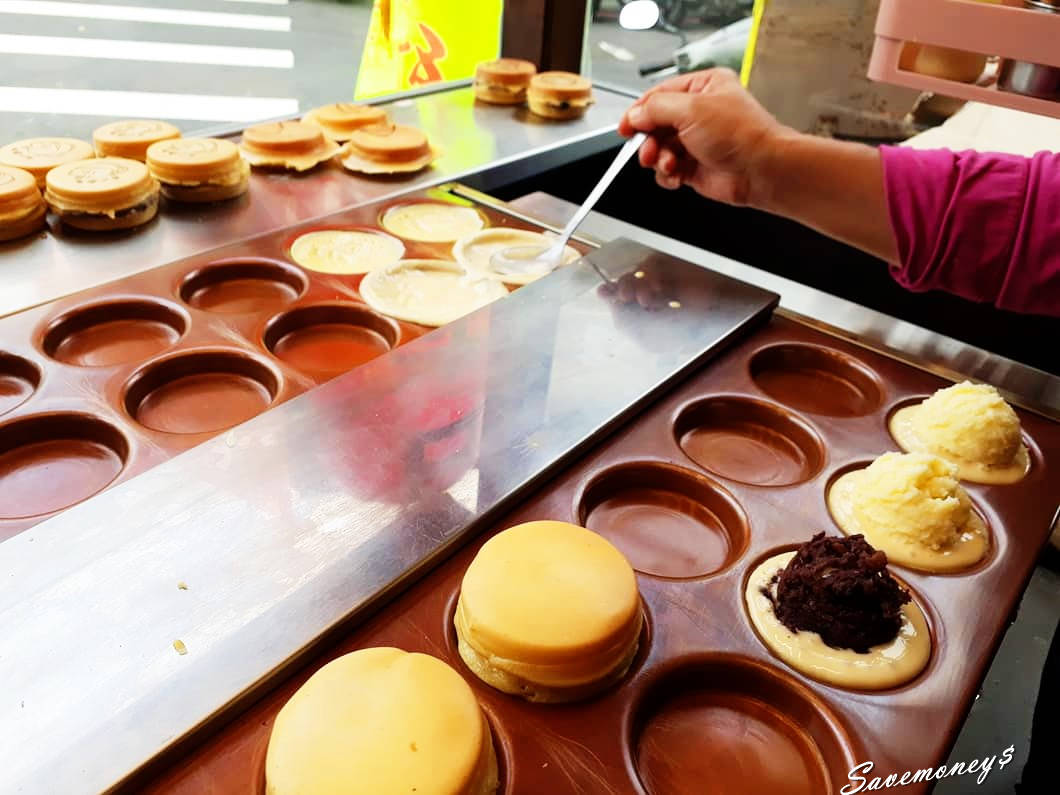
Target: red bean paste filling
x=839, y=588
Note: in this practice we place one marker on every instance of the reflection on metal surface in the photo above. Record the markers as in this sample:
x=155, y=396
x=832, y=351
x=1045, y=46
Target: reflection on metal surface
x=298, y=518
x=1022, y=385
x=473, y=137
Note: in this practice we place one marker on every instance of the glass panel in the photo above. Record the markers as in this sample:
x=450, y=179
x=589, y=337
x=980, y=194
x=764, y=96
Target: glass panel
x=68, y=67
x=689, y=35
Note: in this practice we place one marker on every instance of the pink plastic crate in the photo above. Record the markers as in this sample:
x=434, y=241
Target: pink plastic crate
x=1004, y=30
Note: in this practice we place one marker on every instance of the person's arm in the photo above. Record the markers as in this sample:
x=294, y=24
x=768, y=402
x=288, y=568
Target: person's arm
x=980, y=225
x=709, y=133
x=831, y=186
x=986, y=227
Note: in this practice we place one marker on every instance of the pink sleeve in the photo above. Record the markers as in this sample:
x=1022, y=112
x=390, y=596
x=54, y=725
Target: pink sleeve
x=983, y=226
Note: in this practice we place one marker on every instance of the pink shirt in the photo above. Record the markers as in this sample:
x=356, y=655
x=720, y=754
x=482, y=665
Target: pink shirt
x=983, y=226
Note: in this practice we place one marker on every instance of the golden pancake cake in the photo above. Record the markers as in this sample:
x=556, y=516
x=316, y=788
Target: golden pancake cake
x=287, y=144
x=38, y=156
x=131, y=138
x=103, y=194
x=972, y=427
x=22, y=208
x=911, y=506
x=559, y=95
x=476, y=251
x=199, y=169
x=428, y=292
x=380, y=721
x=346, y=251
x=503, y=81
x=340, y=119
x=832, y=611
x=549, y=611
x=387, y=150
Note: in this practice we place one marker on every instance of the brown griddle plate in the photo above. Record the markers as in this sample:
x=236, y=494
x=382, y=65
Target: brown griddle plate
x=706, y=708
x=173, y=356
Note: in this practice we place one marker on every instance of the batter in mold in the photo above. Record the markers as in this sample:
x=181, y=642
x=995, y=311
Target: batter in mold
x=432, y=222
x=832, y=611
x=346, y=251
x=428, y=292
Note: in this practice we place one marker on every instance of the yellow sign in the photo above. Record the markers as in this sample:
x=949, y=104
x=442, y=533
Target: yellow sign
x=749, y=54
x=415, y=42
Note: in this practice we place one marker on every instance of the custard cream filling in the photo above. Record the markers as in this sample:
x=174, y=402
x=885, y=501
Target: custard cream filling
x=968, y=548
x=583, y=668
x=901, y=427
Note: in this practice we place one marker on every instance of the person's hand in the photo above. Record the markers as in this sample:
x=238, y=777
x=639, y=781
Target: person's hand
x=706, y=131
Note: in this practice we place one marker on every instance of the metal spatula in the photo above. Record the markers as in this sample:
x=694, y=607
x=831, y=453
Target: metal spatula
x=537, y=259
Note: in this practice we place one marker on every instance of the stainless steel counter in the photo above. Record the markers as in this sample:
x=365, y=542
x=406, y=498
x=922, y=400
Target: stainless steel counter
x=1026, y=386
x=495, y=143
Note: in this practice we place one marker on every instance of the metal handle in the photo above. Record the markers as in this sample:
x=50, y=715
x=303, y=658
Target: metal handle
x=625, y=153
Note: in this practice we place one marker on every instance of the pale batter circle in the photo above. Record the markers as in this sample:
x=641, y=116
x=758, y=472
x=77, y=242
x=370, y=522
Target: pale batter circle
x=882, y=667
x=428, y=292
x=475, y=252
x=346, y=251
x=432, y=222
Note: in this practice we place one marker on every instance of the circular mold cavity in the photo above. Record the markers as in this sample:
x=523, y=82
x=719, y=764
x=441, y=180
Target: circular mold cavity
x=52, y=461
x=242, y=287
x=667, y=520
x=724, y=723
x=113, y=332
x=328, y=339
x=815, y=379
x=19, y=379
x=200, y=392
x=749, y=441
